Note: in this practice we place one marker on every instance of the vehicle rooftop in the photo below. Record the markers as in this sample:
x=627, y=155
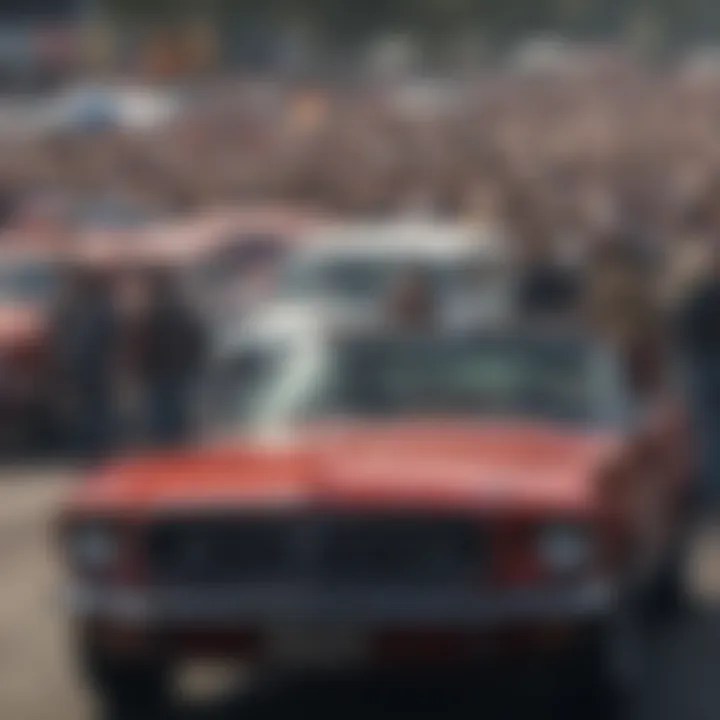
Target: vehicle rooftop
x=414, y=240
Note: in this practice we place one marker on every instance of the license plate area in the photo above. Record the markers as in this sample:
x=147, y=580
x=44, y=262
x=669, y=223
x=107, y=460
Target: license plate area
x=204, y=680
x=315, y=645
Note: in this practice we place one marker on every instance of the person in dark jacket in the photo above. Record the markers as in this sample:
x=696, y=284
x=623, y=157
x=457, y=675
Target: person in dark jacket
x=699, y=347
x=547, y=288
x=170, y=349
x=84, y=334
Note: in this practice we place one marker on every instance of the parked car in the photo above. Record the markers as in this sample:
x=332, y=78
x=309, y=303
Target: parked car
x=382, y=500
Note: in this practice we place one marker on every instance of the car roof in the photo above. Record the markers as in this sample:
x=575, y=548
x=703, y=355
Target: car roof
x=184, y=241
x=416, y=241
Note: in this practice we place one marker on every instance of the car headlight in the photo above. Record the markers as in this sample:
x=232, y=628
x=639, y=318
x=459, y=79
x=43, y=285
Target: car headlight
x=93, y=547
x=565, y=548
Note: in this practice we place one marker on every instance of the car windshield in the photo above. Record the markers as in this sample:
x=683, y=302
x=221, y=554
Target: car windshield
x=493, y=376
x=498, y=376
x=27, y=282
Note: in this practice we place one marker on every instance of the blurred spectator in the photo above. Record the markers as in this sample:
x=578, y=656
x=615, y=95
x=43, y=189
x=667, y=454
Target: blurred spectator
x=132, y=301
x=547, y=288
x=623, y=306
x=699, y=332
x=8, y=205
x=84, y=345
x=170, y=350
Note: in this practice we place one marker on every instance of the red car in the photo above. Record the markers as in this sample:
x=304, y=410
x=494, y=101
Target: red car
x=382, y=500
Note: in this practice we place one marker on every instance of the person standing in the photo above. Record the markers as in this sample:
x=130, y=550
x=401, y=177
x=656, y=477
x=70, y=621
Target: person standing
x=699, y=348
x=623, y=305
x=547, y=288
x=170, y=349
x=84, y=335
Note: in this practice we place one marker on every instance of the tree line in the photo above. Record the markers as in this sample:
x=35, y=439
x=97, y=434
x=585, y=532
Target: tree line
x=345, y=21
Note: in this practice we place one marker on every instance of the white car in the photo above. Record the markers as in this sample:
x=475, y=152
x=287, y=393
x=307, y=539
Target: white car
x=353, y=268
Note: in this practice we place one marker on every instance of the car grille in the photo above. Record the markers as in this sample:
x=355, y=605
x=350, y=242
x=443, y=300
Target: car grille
x=400, y=550
x=220, y=550
x=338, y=551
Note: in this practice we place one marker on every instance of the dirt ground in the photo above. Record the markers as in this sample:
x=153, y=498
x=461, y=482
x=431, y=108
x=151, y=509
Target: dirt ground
x=37, y=680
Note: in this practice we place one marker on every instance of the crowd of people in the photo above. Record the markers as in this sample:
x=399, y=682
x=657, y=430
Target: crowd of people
x=566, y=156
x=601, y=176
x=564, y=160
x=125, y=359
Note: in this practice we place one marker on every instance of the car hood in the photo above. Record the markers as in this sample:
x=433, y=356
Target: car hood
x=432, y=465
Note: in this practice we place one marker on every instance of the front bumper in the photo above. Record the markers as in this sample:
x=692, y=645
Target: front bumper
x=177, y=608
x=295, y=630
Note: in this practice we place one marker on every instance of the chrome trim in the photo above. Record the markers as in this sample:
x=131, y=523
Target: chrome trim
x=296, y=603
